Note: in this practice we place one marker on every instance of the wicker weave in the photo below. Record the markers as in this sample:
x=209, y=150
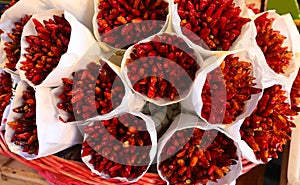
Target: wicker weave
x=60, y=171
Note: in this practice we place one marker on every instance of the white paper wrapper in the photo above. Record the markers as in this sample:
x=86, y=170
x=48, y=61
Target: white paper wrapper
x=53, y=135
x=185, y=121
x=150, y=128
x=79, y=8
x=79, y=35
x=95, y=24
x=4, y=117
x=240, y=43
x=194, y=102
x=287, y=28
x=161, y=101
x=94, y=55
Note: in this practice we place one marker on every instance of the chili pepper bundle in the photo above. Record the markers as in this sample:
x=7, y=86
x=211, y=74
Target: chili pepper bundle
x=47, y=51
x=95, y=90
x=5, y=91
x=24, y=127
x=213, y=25
x=192, y=153
x=120, y=146
x=33, y=130
x=161, y=68
x=295, y=94
x=13, y=48
x=46, y=48
x=267, y=129
x=271, y=42
x=227, y=90
x=123, y=23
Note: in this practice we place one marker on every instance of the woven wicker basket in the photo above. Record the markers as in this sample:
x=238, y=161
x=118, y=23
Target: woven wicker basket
x=60, y=171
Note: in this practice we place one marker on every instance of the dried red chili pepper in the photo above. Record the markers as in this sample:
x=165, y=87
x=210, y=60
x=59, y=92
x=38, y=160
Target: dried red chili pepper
x=122, y=23
x=111, y=143
x=11, y=3
x=295, y=94
x=226, y=91
x=5, y=91
x=267, y=129
x=193, y=156
x=253, y=8
x=164, y=67
x=25, y=127
x=211, y=24
x=96, y=90
x=13, y=48
x=45, y=48
x=271, y=43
